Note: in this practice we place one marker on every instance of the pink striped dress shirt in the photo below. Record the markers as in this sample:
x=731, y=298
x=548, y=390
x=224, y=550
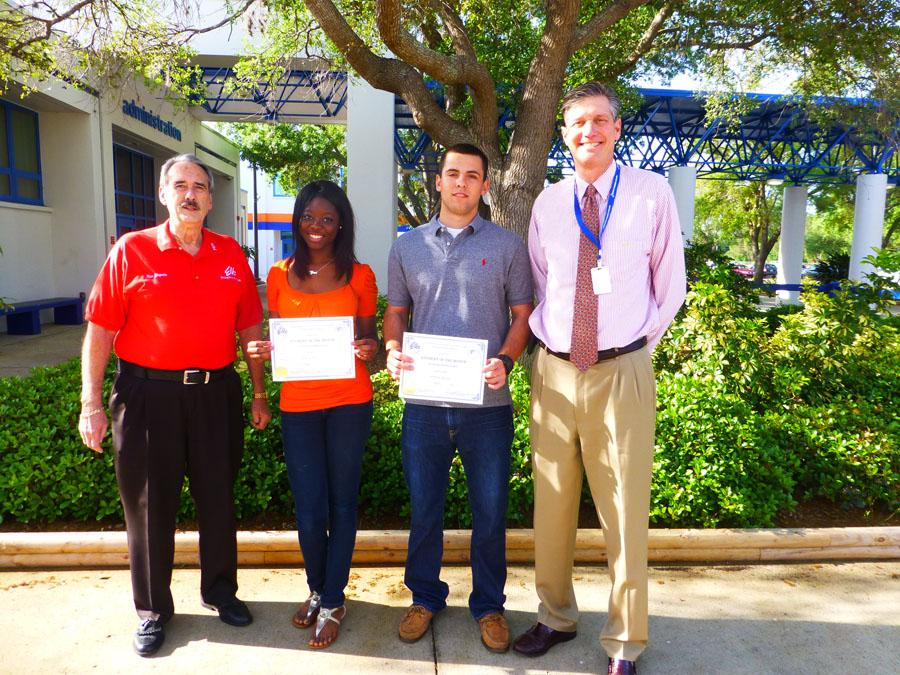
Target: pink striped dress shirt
x=641, y=246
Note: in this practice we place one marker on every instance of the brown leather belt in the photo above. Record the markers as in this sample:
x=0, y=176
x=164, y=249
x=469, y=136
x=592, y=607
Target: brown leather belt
x=605, y=354
x=187, y=376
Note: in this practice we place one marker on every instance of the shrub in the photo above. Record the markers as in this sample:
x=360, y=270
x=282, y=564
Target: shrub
x=717, y=463
x=46, y=473
x=847, y=451
x=754, y=411
x=383, y=490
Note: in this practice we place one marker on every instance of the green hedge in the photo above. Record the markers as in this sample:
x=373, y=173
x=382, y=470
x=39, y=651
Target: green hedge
x=755, y=412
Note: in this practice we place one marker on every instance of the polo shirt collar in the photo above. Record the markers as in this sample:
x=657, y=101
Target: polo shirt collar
x=603, y=184
x=476, y=224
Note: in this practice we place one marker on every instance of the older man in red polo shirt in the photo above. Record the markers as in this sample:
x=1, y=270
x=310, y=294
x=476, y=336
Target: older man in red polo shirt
x=170, y=299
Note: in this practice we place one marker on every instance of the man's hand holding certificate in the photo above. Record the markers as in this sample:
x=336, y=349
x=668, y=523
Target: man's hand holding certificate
x=318, y=348
x=444, y=368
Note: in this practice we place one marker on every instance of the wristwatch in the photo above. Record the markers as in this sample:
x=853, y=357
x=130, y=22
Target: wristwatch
x=508, y=363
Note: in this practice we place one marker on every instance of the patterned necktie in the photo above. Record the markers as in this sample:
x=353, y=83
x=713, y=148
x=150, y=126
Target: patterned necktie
x=584, y=321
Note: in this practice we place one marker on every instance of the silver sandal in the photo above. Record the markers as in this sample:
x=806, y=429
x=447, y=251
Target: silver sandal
x=313, y=604
x=326, y=615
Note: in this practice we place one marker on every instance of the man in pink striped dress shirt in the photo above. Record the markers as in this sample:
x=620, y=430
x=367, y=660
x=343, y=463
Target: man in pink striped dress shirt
x=593, y=412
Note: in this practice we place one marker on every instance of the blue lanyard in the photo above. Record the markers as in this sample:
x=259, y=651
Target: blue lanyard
x=610, y=200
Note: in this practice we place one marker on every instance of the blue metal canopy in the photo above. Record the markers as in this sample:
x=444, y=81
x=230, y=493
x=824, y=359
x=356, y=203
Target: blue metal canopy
x=310, y=96
x=775, y=140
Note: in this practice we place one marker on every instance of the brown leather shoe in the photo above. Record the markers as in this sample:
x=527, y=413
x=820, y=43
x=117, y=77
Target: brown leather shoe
x=538, y=639
x=494, y=632
x=414, y=623
x=621, y=667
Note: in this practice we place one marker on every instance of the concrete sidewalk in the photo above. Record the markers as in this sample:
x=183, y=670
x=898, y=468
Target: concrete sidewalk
x=55, y=345
x=810, y=618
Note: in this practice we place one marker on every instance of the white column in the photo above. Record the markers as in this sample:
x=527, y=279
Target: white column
x=372, y=174
x=790, y=243
x=868, y=221
x=683, y=180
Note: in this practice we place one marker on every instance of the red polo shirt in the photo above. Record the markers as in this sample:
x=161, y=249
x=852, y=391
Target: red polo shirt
x=170, y=309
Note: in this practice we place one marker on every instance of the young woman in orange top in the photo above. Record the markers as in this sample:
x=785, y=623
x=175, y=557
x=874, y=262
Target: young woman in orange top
x=324, y=423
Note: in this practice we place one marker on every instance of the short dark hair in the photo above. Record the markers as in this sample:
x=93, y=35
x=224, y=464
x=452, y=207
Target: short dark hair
x=588, y=90
x=465, y=149
x=187, y=157
x=344, y=257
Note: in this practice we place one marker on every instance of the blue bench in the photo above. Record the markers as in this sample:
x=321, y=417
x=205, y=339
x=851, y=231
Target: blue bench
x=24, y=318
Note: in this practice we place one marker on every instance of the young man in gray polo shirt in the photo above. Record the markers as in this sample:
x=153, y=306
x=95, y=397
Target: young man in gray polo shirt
x=461, y=276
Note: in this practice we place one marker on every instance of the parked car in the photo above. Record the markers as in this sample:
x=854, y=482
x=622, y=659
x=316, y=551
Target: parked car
x=742, y=269
x=770, y=271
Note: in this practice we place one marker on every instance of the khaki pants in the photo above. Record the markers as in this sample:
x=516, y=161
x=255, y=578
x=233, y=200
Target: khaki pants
x=601, y=421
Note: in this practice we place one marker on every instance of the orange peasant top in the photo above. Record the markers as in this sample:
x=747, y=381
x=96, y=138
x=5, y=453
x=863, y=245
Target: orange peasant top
x=358, y=298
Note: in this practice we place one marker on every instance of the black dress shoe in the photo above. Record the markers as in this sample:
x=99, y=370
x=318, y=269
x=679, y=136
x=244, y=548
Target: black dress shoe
x=538, y=639
x=233, y=612
x=621, y=667
x=148, y=637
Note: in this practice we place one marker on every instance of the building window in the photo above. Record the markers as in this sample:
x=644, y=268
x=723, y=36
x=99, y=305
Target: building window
x=277, y=190
x=135, y=193
x=20, y=155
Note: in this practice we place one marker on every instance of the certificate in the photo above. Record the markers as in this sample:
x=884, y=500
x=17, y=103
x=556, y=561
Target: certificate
x=447, y=369
x=319, y=348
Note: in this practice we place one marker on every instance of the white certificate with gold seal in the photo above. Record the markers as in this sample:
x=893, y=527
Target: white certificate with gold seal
x=317, y=348
x=449, y=369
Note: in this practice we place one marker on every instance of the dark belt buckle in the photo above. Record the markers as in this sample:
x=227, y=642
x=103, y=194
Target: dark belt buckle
x=195, y=376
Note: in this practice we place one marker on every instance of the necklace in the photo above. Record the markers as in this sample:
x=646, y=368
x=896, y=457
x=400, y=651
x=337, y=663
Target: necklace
x=315, y=272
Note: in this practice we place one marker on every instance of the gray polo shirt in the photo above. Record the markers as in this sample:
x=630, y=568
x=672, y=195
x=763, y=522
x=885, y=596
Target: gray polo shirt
x=461, y=286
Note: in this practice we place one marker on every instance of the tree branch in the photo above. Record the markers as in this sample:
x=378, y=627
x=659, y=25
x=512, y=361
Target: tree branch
x=461, y=43
x=18, y=48
x=407, y=214
x=191, y=32
x=745, y=44
x=649, y=37
x=390, y=75
x=464, y=68
x=591, y=29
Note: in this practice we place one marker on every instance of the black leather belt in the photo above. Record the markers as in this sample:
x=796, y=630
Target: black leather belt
x=187, y=376
x=605, y=354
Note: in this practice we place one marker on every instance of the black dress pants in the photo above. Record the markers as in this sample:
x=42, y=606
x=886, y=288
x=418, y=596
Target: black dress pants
x=161, y=431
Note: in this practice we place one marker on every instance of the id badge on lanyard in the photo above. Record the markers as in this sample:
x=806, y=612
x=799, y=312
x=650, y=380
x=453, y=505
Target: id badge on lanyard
x=600, y=277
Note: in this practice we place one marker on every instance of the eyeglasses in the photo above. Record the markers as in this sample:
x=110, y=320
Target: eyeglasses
x=324, y=221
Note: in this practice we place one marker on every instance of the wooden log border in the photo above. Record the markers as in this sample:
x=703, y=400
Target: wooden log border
x=388, y=547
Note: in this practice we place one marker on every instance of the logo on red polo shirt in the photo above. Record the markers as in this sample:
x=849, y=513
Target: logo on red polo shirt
x=229, y=273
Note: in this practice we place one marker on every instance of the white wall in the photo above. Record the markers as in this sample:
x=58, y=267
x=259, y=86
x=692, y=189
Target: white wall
x=26, y=266
x=73, y=187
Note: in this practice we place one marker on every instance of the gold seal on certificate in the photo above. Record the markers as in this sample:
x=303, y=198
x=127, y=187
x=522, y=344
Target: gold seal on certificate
x=319, y=348
x=445, y=368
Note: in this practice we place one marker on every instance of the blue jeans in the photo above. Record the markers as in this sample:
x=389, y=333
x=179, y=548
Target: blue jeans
x=483, y=437
x=323, y=450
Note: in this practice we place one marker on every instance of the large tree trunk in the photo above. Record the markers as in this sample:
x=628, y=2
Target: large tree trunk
x=511, y=201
